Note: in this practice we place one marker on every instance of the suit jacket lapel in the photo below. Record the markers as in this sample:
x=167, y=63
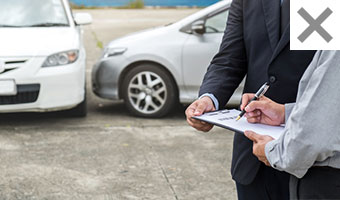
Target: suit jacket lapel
x=271, y=9
x=283, y=42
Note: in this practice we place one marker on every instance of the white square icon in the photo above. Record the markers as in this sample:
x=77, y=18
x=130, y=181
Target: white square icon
x=315, y=25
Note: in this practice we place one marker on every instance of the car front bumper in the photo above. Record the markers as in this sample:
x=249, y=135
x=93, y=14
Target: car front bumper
x=105, y=77
x=45, y=89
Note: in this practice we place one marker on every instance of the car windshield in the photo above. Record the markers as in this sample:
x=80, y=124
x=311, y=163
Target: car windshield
x=32, y=13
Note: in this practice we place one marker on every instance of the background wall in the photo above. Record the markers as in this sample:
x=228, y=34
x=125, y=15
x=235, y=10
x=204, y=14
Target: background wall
x=147, y=2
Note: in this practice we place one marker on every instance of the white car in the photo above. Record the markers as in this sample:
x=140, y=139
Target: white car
x=42, y=57
x=154, y=69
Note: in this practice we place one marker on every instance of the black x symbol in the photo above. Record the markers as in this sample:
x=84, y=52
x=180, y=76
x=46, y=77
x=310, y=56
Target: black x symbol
x=315, y=25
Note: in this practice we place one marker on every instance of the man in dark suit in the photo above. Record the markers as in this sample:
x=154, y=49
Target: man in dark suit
x=255, y=45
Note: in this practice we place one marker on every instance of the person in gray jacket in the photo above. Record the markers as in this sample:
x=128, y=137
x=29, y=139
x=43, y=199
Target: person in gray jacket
x=309, y=148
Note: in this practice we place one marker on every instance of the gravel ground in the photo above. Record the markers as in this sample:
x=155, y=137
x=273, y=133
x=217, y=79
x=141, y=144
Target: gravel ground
x=110, y=154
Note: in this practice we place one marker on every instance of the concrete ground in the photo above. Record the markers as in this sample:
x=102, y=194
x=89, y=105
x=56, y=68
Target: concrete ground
x=110, y=154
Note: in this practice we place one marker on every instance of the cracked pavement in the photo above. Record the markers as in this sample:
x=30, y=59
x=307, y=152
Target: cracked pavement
x=110, y=154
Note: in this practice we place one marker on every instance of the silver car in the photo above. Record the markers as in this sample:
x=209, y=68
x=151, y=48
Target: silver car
x=154, y=69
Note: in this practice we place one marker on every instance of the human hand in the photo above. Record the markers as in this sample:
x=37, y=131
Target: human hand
x=259, y=144
x=264, y=110
x=197, y=108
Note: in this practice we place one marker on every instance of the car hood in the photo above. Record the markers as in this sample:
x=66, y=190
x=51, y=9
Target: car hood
x=140, y=36
x=17, y=42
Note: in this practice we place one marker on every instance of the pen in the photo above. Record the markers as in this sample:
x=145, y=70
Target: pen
x=258, y=95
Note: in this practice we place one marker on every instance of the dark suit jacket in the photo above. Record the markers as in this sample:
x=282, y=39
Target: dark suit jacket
x=252, y=46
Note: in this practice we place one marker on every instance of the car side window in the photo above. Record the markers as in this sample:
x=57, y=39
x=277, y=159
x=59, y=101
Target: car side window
x=217, y=23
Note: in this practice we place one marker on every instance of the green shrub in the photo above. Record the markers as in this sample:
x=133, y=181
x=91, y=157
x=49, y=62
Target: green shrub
x=74, y=6
x=81, y=6
x=136, y=4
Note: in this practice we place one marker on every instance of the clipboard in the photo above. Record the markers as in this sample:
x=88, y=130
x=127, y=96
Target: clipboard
x=227, y=119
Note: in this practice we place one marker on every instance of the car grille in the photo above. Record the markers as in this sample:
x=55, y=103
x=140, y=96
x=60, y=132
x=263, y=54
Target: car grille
x=12, y=64
x=25, y=94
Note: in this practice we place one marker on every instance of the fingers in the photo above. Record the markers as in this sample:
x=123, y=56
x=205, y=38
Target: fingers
x=189, y=112
x=198, y=108
x=268, y=138
x=204, y=104
x=193, y=122
x=256, y=137
x=252, y=136
x=199, y=125
x=259, y=142
x=254, y=117
x=254, y=120
x=257, y=105
x=264, y=160
x=255, y=113
x=203, y=127
x=245, y=99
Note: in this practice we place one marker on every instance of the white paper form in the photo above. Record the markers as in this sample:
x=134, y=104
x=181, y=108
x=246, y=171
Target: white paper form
x=227, y=119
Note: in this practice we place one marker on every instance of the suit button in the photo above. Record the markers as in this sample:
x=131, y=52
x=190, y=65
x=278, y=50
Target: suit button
x=272, y=79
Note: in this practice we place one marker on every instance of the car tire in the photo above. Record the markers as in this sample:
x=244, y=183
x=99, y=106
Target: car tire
x=80, y=110
x=149, y=91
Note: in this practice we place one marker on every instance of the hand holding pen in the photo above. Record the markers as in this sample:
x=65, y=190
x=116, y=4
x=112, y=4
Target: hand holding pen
x=263, y=111
x=258, y=95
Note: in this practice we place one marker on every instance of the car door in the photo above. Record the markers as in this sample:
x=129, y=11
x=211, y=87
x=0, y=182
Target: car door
x=199, y=49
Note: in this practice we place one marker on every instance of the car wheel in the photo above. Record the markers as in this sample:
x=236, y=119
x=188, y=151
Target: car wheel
x=149, y=91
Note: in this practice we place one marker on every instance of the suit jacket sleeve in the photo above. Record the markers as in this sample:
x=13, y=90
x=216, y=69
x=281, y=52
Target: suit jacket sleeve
x=229, y=66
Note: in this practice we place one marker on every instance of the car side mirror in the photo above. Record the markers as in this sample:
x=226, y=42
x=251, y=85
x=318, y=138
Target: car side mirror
x=82, y=18
x=198, y=27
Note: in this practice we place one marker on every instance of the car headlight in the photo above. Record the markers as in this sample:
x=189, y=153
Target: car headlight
x=108, y=52
x=62, y=58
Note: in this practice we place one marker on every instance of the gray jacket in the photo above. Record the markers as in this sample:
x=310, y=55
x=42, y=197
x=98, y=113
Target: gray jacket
x=312, y=132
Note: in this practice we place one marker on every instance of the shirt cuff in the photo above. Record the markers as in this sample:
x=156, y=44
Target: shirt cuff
x=272, y=154
x=280, y=162
x=212, y=97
